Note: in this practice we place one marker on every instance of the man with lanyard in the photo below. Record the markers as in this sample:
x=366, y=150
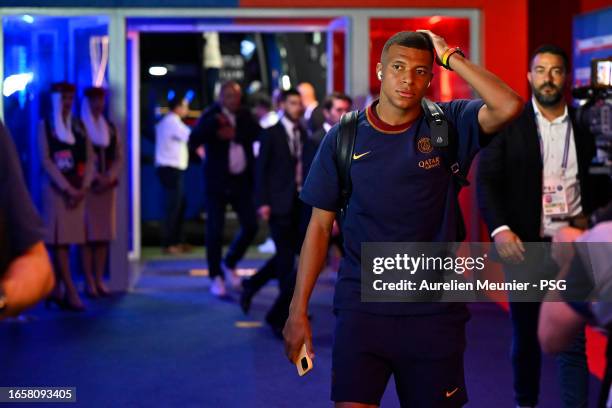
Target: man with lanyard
x=394, y=199
x=533, y=179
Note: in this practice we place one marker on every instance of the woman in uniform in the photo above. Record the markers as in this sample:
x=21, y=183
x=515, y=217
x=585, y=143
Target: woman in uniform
x=100, y=214
x=67, y=162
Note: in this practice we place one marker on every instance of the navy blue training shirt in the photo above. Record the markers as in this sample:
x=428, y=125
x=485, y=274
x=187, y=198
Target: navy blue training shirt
x=20, y=224
x=402, y=191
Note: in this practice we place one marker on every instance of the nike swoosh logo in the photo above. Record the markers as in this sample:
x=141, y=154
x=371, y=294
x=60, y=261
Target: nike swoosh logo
x=451, y=393
x=359, y=156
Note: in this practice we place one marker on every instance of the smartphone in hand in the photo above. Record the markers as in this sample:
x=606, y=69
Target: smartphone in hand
x=304, y=362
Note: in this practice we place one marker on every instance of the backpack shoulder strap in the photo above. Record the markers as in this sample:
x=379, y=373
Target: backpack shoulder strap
x=438, y=125
x=444, y=135
x=345, y=145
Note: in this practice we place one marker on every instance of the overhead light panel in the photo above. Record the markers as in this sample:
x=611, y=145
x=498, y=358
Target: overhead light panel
x=158, y=71
x=16, y=83
x=286, y=82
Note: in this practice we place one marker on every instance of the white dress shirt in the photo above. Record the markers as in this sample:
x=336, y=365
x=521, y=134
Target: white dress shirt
x=171, y=137
x=268, y=120
x=290, y=129
x=295, y=146
x=552, y=142
x=552, y=145
x=309, y=109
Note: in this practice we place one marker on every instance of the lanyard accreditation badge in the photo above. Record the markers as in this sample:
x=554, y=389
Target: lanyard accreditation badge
x=554, y=191
x=554, y=199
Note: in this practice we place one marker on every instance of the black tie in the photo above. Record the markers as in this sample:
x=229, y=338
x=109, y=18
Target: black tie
x=297, y=153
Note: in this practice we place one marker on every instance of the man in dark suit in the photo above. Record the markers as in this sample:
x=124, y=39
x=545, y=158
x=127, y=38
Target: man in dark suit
x=313, y=113
x=335, y=105
x=283, y=163
x=227, y=131
x=545, y=147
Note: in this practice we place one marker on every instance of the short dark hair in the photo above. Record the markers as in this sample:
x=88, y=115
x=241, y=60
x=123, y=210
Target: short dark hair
x=287, y=93
x=175, y=101
x=410, y=39
x=261, y=99
x=550, y=49
x=329, y=100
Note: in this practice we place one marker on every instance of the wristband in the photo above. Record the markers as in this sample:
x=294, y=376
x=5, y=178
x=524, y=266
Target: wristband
x=3, y=302
x=448, y=54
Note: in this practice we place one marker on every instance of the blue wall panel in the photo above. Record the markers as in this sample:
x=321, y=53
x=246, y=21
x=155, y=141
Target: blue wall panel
x=592, y=33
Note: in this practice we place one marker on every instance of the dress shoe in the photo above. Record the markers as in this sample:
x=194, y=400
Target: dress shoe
x=217, y=287
x=231, y=277
x=267, y=247
x=73, y=305
x=103, y=290
x=91, y=291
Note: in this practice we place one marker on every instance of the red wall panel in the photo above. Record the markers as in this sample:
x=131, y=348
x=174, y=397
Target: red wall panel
x=446, y=85
x=504, y=33
x=592, y=5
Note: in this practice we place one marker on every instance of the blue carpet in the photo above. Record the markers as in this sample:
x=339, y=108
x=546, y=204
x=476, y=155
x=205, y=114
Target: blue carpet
x=170, y=343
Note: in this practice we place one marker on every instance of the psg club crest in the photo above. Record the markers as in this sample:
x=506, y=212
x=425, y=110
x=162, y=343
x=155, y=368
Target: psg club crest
x=424, y=145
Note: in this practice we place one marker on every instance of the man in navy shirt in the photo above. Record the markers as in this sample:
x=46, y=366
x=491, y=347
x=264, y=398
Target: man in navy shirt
x=401, y=192
x=26, y=275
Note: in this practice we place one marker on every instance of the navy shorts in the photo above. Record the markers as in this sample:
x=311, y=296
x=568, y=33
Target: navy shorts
x=424, y=354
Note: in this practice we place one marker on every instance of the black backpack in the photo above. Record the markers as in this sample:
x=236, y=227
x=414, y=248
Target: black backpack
x=443, y=136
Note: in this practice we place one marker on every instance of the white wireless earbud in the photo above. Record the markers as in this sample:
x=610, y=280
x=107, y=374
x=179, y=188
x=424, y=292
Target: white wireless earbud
x=380, y=75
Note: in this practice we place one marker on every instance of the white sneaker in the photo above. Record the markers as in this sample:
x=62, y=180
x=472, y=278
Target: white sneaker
x=231, y=277
x=267, y=247
x=217, y=287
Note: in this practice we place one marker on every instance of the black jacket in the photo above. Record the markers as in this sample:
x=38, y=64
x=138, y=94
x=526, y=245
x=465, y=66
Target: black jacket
x=316, y=120
x=509, y=182
x=318, y=136
x=275, y=174
x=216, y=166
